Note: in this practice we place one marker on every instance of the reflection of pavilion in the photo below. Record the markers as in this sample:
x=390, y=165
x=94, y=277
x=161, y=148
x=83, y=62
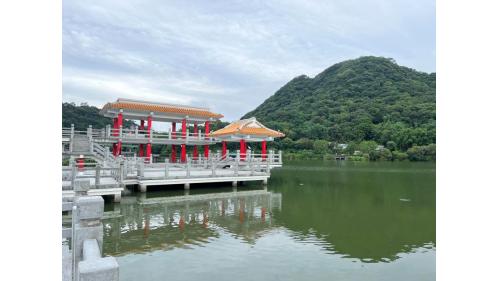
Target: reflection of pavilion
x=182, y=221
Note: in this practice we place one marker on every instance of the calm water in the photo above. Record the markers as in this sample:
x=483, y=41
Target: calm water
x=315, y=221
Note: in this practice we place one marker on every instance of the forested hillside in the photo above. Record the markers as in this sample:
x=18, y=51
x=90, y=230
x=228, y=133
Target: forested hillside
x=363, y=102
x=84, y=115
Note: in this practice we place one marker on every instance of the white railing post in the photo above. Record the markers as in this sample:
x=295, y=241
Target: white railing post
x=237, y=163
x=169, y=134
x=279, y=157
x=213, y=168
x=72, y=134
x=120, y=172
x=166, y=168
x=199, y=134
x=268, y=166
x=188, y=167
x=73, y=174
x=89, y=131
x=136, y=132
x=187, y=136
x=108, y=131
x=97, y=175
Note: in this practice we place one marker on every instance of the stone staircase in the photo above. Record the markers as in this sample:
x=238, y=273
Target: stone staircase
x=81, y=145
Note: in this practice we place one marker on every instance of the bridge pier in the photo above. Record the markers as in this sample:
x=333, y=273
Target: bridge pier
x=143, y=187
x=235, y=183
x=264, y=182
x=186, y=186
x=117, y=198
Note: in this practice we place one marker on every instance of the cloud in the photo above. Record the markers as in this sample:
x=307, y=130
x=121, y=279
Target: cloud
x=233, y=55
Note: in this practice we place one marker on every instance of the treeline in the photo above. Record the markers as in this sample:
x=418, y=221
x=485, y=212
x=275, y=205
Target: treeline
x=84, y=115
x=370, y=99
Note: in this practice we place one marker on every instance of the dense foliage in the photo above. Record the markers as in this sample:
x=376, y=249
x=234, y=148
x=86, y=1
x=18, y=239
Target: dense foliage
x=366, y=99
x=84, y=115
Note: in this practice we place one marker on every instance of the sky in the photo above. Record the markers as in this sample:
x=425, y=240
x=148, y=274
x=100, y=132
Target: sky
x=229, y=56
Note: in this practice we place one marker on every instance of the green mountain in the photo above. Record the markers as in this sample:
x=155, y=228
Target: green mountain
x=84, y=115
x=365, y=99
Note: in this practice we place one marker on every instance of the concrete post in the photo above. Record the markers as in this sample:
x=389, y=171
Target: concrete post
x=188, y=167
x=186, y=186
x=141, y=168
x=166, y=168
x=268, y=166
x=90, y=210
x=236, y=167
x=73, y=174
x=235, y=183
x=72, y=134
x=98, y=175
x=213, y=167
x=143, y=187
x=121, y=172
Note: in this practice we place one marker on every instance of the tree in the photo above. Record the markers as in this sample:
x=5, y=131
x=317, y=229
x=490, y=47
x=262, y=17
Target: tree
x=320, y=146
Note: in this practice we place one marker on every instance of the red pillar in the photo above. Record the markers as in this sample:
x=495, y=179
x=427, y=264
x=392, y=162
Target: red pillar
x=224, y=150
x=195, y=148
x=264, y=150
x=183, y=146
x=148, y=146
x=80, y=163
x=243, y=150
x=120, y=124
x=173, y=156
x=141, y=146
x=114, y=133
x=207, y=131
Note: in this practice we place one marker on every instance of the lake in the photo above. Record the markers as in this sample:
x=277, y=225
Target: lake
x=316, y=220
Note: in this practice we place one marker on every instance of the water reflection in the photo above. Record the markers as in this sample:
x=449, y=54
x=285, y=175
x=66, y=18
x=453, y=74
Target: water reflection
x=333, y=219
x=141, y=224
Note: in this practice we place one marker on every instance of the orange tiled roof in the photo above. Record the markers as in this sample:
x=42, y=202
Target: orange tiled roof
x=166, y=108
x=247, y=127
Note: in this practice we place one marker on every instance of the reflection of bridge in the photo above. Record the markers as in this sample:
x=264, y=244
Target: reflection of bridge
x=144, y=224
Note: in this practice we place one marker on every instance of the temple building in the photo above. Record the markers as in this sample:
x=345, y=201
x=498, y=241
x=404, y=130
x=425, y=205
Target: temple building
x=146, y=113
x=244, y=131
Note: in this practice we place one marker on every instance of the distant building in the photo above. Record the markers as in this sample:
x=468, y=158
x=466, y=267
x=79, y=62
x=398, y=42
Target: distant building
x=342, y=146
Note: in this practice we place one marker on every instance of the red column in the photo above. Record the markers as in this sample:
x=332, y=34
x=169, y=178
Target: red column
x=148, y=146
x=195, y=148
x=141, y=146
x=207, y=131
x=264, y=150
x=183, y=146
x=243, y=150
x=224, y=150
x=80, y=163
x=173, y=156
x=114, y=133
x=120, y=124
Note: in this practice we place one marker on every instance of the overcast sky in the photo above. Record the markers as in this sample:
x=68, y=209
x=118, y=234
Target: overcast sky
x=229, y=55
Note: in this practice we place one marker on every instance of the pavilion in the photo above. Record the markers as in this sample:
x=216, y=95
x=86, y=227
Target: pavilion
x=160, y=112
x=243, y=131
